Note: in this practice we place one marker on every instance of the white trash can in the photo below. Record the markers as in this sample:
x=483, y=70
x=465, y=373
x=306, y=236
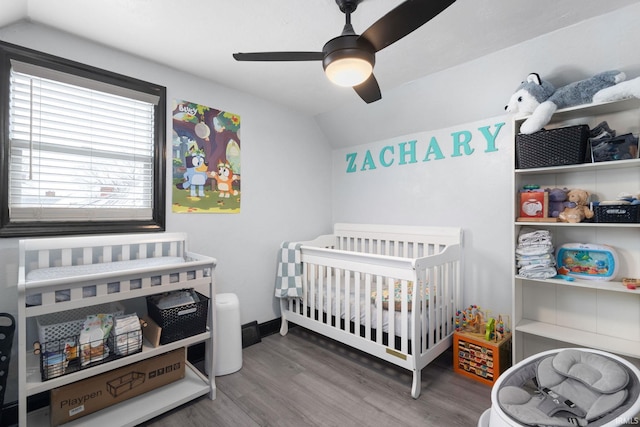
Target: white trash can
x=228, y=334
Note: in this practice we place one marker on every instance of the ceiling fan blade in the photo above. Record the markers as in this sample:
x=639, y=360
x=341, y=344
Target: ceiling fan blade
x=279, y=56
x=369, y=90
x=402, y=20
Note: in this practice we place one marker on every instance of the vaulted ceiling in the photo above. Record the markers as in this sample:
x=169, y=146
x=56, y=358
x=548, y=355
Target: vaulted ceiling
x=199, y=37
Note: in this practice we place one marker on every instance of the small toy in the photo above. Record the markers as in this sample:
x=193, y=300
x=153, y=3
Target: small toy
x=631, y=284
x=470, y=320
x=580, y=210
x=541, y=99
x=587, y=261
x=490, y=329
x=558, y=201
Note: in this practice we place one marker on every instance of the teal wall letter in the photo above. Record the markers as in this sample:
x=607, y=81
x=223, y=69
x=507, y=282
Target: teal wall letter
x=434, y=149
x=411, y=152
x=461, y=139
x=491, y=138
x=368, y=162
x=351, y=162
x=382, y=159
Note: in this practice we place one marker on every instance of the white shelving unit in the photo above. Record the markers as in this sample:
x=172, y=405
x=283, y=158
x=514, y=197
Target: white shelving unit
x=134, y=284
x=556, y=313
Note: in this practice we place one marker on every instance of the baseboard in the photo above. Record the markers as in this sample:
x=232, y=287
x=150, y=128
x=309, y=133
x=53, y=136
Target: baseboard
x=271, y=327
x=250, y=334
x=9, y=415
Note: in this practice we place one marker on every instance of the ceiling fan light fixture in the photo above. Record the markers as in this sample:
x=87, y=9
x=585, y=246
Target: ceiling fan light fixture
x=349, y=71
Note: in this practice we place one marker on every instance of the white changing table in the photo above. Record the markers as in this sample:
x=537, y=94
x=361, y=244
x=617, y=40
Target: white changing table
x=109, y=287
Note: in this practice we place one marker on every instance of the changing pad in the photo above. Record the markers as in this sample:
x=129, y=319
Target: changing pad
x=71, y=271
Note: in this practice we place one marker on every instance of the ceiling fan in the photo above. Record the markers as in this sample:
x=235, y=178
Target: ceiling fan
x=348, y=59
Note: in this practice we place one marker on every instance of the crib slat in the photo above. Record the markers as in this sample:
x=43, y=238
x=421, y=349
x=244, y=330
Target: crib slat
x=378, y=307
x=347, y=299
x=330, y=297
x=319, y=292
x=367, y=308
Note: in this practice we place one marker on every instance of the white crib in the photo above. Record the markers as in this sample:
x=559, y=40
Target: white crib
x=389, y=291
x=68, y=275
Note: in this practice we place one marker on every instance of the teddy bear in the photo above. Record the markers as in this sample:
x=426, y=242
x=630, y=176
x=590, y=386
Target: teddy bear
x=541, y=99
x=558, y=201
x=580, y=211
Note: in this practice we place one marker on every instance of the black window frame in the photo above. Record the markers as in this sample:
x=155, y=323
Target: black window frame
x=8, y=228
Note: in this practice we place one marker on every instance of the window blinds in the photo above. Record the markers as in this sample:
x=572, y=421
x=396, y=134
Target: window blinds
x=81, y=150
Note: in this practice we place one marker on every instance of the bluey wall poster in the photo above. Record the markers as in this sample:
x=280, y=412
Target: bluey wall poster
x=206, y=159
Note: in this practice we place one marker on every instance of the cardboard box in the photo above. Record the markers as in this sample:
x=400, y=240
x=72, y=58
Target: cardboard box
x=151, y=331
x=84, y=397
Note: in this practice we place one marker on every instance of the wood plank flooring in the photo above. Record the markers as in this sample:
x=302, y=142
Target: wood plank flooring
x=304, y=379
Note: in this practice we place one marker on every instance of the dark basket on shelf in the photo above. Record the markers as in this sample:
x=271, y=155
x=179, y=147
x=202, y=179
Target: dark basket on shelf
x=182, y=321
x=553, y=147
x=67, y=355
x=617, y=213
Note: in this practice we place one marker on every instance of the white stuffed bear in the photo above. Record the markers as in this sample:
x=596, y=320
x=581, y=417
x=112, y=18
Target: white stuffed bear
x=540, y=99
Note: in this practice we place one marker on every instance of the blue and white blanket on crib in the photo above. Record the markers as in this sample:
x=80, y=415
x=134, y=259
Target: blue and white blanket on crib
x=289, y=271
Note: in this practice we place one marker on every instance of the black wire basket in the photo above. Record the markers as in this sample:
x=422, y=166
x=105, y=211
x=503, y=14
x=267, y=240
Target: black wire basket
x=553, y=147
x=182, y=321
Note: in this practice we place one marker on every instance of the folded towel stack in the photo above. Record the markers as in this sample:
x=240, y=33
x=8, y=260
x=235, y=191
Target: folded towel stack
x=534, y=254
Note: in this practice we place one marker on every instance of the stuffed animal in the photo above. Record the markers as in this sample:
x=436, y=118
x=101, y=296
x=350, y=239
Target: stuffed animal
x=541, y=99
x=580, y=211
x=558, y=201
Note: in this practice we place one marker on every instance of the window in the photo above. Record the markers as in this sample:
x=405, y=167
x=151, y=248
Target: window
x=83, y=149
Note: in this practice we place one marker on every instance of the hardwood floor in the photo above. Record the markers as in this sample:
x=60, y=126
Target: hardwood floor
x=304, y=379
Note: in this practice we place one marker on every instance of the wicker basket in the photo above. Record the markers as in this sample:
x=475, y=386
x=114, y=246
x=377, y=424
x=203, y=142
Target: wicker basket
x=617, y=213
x=553, y=147
x=182, y=321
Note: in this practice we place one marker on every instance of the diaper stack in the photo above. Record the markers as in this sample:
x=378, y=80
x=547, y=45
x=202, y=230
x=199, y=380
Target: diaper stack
x=535, y=254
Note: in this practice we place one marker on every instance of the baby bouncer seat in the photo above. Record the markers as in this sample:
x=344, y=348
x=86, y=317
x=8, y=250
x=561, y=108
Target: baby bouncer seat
x=569, y=387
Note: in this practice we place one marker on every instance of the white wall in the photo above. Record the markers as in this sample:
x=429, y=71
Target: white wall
x=474, y=191
x=286, y=192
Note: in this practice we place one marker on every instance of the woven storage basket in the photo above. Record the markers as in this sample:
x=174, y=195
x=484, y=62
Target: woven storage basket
x=182, y=321
x=553, y=147
x=617, y=213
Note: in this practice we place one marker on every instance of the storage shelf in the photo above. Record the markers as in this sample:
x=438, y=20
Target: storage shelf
x=36, y=385
x=138, y=409
x=583, y=338
x=600, y=285
x=39, y=310
x=581, y=167
x=579, y=224
x=554, y=308
x=580, y=111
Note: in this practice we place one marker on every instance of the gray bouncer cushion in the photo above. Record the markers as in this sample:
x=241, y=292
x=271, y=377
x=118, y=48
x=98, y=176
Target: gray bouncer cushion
x=570, y=388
